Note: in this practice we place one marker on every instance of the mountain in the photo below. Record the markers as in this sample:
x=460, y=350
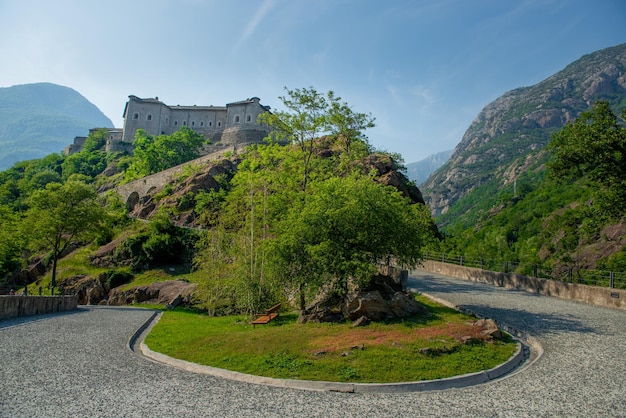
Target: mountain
x=507, y=139
x=42, y=118
x=420, y=170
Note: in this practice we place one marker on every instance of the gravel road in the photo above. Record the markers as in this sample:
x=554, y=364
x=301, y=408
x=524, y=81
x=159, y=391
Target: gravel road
x=78, y=364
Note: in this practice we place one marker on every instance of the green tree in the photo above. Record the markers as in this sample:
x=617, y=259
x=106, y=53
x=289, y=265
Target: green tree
x=12, y=242
x=91, y=160
x=154, y=154
x=594, y=145
x=310, y=116
x=61, y=214
x=346, y=227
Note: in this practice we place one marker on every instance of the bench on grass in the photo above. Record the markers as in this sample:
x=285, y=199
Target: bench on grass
x=266, y=317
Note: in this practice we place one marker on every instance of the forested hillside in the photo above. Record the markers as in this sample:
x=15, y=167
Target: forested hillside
x=537, y=181
x=42, y=118
x=272, y=223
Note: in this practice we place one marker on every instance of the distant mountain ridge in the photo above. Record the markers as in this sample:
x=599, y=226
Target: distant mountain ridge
x=42, y=118
x=420, y=170
x=508, y=136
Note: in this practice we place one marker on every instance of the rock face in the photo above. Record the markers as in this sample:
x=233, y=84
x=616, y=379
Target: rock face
x=181, y=194
x=513, y=130
x=175, y=292
x=383, y=299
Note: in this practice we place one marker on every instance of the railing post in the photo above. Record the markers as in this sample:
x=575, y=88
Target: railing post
x=569, y=274
x=612, y=280
x=506, y=266
x=535, y=270
x=482, y=263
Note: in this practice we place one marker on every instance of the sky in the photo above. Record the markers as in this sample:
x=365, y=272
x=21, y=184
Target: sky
x=423, y=68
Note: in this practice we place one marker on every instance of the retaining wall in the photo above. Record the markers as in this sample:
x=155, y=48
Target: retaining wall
x=14, y=306
x=600, y=296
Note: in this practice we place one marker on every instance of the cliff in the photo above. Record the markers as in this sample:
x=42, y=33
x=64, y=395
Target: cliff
x=509, y=135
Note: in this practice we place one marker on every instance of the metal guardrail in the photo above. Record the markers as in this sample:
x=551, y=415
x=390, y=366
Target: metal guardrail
x=573, y=274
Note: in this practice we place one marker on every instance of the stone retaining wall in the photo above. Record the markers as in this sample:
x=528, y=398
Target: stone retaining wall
x=599, y=296
x=14, y=306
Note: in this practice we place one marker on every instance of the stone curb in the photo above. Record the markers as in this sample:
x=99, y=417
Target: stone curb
x=469, y=379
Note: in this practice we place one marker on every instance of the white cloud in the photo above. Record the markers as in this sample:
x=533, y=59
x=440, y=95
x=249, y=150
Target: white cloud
x=252, y=25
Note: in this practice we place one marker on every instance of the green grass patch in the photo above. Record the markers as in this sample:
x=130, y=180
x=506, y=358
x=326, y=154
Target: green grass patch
x=378, y=353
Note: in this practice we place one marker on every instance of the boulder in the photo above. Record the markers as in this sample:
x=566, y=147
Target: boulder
x=383, y=299
x=374, y=306
x=489, y=329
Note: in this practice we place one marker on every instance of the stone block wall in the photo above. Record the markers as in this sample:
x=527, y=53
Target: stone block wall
x=599, y=296
x=16, y=306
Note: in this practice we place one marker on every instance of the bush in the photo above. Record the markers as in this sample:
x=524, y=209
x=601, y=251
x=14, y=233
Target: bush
x=117, y=278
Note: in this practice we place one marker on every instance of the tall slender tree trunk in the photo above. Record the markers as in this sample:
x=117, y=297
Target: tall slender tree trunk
x=53, y=281
x=302, y=300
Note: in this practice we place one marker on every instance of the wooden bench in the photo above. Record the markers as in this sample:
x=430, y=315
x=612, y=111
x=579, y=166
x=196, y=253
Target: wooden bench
x=266, y=317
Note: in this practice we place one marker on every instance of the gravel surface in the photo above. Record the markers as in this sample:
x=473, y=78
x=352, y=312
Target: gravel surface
x=78, y=364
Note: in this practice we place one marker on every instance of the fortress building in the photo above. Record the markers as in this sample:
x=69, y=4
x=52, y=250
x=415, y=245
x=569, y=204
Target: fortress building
x=233, y=124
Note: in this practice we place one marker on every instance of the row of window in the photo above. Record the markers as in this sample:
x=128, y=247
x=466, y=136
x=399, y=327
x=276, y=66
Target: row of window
x=219, y=123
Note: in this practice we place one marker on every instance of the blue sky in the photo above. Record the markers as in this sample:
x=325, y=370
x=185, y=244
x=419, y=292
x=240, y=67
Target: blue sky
x=424, y=68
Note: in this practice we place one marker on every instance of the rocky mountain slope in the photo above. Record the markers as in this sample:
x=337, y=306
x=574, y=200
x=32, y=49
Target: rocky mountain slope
x=508, y=136
x=421, y=170
x=42, y=118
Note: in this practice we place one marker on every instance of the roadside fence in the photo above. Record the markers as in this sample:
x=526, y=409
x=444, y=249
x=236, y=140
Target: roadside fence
x=570, y=274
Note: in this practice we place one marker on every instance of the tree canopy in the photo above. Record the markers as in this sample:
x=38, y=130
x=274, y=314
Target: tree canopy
x=594, y=145
x=61, y=214
x=304, y=216
x=153, y=154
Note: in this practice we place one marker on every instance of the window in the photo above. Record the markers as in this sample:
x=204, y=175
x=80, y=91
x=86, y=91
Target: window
x=210, y=124
x=135, y=115
x=201, y=124
x=175, y=123
x=219, y=124
x=193, y=123
x=184, y=123
x=148, y=116
x=248, y=118
x=237, y=119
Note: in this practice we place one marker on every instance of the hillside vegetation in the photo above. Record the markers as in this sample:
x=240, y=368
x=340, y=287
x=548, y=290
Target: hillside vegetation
x=498, y=202
x=42, y=118
x=271, y=224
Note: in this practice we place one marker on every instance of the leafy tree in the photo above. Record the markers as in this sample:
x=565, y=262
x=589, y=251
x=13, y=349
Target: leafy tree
x=594, y=145
x=160, y=243
x=345, y=227
x=11, y=241
x=154, y=154
x=348, y=126
x=60, y=214
x=311, y=115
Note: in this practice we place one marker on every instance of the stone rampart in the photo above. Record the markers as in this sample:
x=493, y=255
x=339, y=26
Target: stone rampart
x=599, y=296
x=15, y=306
x=142, y=186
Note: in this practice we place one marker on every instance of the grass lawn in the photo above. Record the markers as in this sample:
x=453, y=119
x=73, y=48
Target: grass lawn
x=378, y=353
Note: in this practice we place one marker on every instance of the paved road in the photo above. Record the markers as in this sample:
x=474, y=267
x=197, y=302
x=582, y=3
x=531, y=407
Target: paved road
x=77, y=364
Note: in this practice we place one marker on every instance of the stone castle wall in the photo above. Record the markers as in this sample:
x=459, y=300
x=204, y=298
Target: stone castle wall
x=233, y=124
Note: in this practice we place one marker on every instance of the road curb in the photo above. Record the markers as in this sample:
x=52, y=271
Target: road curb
x=136, y=343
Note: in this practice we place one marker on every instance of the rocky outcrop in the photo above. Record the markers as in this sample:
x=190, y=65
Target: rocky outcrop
x=383, y=299
x=169, y=292
x=376, y=307
x=387, y=173
x=90, y=290
x=181, y=194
